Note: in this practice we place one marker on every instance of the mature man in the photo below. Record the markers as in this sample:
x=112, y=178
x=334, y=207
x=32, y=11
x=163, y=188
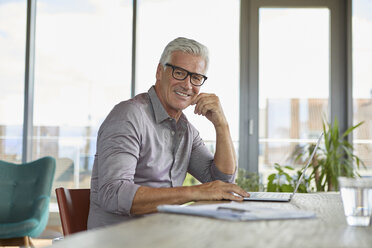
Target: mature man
x=146, y=145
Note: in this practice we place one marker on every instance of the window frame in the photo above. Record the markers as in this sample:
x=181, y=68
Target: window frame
x=340, y=98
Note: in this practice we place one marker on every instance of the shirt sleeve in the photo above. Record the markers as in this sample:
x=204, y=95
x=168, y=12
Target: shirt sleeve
x=202, y=165
x=118, y=151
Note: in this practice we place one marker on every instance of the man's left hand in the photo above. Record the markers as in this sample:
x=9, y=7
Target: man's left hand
x=209, y=106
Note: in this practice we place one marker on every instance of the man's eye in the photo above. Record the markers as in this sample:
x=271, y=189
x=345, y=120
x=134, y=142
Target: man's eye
x=197, y=78
x=179, y=73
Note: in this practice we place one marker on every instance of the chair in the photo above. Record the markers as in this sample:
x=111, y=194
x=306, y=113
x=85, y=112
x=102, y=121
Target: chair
x=24, y=200
x=73, y=207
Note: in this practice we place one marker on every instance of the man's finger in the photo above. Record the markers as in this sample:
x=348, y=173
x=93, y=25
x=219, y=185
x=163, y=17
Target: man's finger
x=200, y=98
x=196, y=99
x=232, y=197
x=203, y=103
x=208, y=107
x=236, y=190
x=242, y=192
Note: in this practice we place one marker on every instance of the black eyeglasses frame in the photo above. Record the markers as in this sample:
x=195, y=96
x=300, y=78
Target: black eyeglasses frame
x=188, y=73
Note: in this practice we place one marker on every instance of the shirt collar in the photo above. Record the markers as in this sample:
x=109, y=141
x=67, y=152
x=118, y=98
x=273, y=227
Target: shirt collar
x=159, y=111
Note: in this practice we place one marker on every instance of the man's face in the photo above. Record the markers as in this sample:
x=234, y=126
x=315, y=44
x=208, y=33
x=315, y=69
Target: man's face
x=176, y=95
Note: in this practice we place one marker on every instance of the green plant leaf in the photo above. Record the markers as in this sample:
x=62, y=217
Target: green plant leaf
x=286, y=188
x=349, y=130
x=288, y=177
x=271, y=187
x=271, y=177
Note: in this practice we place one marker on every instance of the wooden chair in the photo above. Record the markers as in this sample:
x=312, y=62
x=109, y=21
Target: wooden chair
x=73, y=207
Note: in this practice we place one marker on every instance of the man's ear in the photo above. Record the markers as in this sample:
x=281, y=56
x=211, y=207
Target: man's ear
x=159, y=72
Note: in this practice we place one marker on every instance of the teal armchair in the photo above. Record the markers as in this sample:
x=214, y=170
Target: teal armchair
x=24, y=198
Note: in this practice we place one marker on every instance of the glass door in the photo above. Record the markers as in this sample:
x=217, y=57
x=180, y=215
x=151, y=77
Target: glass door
x=293, y=82
x=362, y=82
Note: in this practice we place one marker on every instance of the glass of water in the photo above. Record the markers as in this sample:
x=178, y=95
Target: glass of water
x=356, y=194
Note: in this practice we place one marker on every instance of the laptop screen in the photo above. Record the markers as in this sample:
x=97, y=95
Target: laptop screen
x=307, y=164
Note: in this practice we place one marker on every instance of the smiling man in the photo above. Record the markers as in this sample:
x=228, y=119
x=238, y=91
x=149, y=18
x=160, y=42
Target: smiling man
x=146, y=145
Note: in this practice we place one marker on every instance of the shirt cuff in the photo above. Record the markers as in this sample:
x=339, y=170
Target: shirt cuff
x=126, y=194
x=218, y=175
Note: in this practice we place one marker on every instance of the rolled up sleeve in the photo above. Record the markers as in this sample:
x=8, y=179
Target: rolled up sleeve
x=118, y=151
x=202, y=165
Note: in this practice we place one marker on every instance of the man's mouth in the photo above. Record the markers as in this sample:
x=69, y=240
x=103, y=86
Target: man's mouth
x=182, y=94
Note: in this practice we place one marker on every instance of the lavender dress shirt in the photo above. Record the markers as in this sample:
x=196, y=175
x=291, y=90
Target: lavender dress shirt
x=139, y=144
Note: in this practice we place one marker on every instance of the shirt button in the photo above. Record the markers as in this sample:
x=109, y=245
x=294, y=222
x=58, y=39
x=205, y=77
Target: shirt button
x=172, y=132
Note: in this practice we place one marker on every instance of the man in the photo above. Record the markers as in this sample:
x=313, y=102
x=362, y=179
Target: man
x=146, y=146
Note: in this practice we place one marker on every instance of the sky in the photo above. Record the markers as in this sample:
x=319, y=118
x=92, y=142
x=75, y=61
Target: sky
x=293, y=50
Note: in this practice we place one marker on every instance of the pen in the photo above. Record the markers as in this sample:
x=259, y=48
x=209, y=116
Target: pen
x=237, y=210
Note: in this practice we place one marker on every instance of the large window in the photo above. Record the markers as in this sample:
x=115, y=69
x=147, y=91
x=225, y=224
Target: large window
x=290, y=60
x=215, y=23
x=12, y=67
x=293, y=81
x=362, y=80
x=83, y=68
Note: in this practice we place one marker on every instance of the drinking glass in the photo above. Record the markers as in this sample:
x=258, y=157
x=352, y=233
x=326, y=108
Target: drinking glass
x=356, y=194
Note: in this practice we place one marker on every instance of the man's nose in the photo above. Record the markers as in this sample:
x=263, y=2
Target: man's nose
x=187, y=82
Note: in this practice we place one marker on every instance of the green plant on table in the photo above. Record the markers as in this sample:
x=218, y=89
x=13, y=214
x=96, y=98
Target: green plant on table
x=282, y=181
x=249, y=181
x=335, y=159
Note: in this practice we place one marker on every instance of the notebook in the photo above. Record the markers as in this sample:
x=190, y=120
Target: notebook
x=282, y=197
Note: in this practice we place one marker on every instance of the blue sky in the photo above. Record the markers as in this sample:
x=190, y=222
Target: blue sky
x=59, y=6
x=363, y=8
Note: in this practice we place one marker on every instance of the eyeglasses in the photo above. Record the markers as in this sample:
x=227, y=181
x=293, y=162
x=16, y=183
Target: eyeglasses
x=179, y=73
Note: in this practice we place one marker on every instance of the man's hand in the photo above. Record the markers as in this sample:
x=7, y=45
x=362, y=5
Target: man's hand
x=218, y=190
x=209, y=106
x=147, y=199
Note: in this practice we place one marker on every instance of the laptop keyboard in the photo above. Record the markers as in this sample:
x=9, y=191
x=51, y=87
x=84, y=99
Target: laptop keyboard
x=274, y=195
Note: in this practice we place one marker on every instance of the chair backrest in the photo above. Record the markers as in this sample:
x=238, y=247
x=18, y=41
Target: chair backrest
x=73, y=207
x=24, y=196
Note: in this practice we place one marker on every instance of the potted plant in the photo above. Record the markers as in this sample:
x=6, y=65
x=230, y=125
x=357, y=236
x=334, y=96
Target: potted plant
x=249, y=181
x=282, y=181
x=335, y=159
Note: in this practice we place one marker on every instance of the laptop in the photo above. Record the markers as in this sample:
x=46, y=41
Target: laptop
x=278, y=196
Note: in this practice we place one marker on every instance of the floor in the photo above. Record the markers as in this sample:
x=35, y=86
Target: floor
x=46, y=238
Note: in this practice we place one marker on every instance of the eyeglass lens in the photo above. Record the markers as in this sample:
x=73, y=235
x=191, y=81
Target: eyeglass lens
x=180, y=74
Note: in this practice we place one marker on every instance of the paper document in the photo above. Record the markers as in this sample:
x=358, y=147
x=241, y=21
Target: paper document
x=236, y=211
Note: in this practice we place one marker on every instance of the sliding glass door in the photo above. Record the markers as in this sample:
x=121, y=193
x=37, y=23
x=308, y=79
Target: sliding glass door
x=294, y=76
x=293, y=81
x=362, y=81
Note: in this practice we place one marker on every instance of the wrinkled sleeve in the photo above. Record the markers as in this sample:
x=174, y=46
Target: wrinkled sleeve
x=118, y=152
x=202, y=165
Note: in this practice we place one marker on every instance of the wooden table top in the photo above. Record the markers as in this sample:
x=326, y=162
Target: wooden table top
x=163, y=230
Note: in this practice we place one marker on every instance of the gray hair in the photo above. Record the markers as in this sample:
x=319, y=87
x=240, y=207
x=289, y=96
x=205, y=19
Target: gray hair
x=185, y=45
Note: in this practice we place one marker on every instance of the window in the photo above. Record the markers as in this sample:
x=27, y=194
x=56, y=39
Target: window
x=293, y=81
x=12, y=67
x=302, y=46
x=83, y=69
x=362, y=81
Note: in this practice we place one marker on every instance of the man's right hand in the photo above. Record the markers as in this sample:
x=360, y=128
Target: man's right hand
x=147, y=199
x=218, y=190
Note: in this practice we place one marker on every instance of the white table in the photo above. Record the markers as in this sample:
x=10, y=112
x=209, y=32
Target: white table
x=329, y=229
